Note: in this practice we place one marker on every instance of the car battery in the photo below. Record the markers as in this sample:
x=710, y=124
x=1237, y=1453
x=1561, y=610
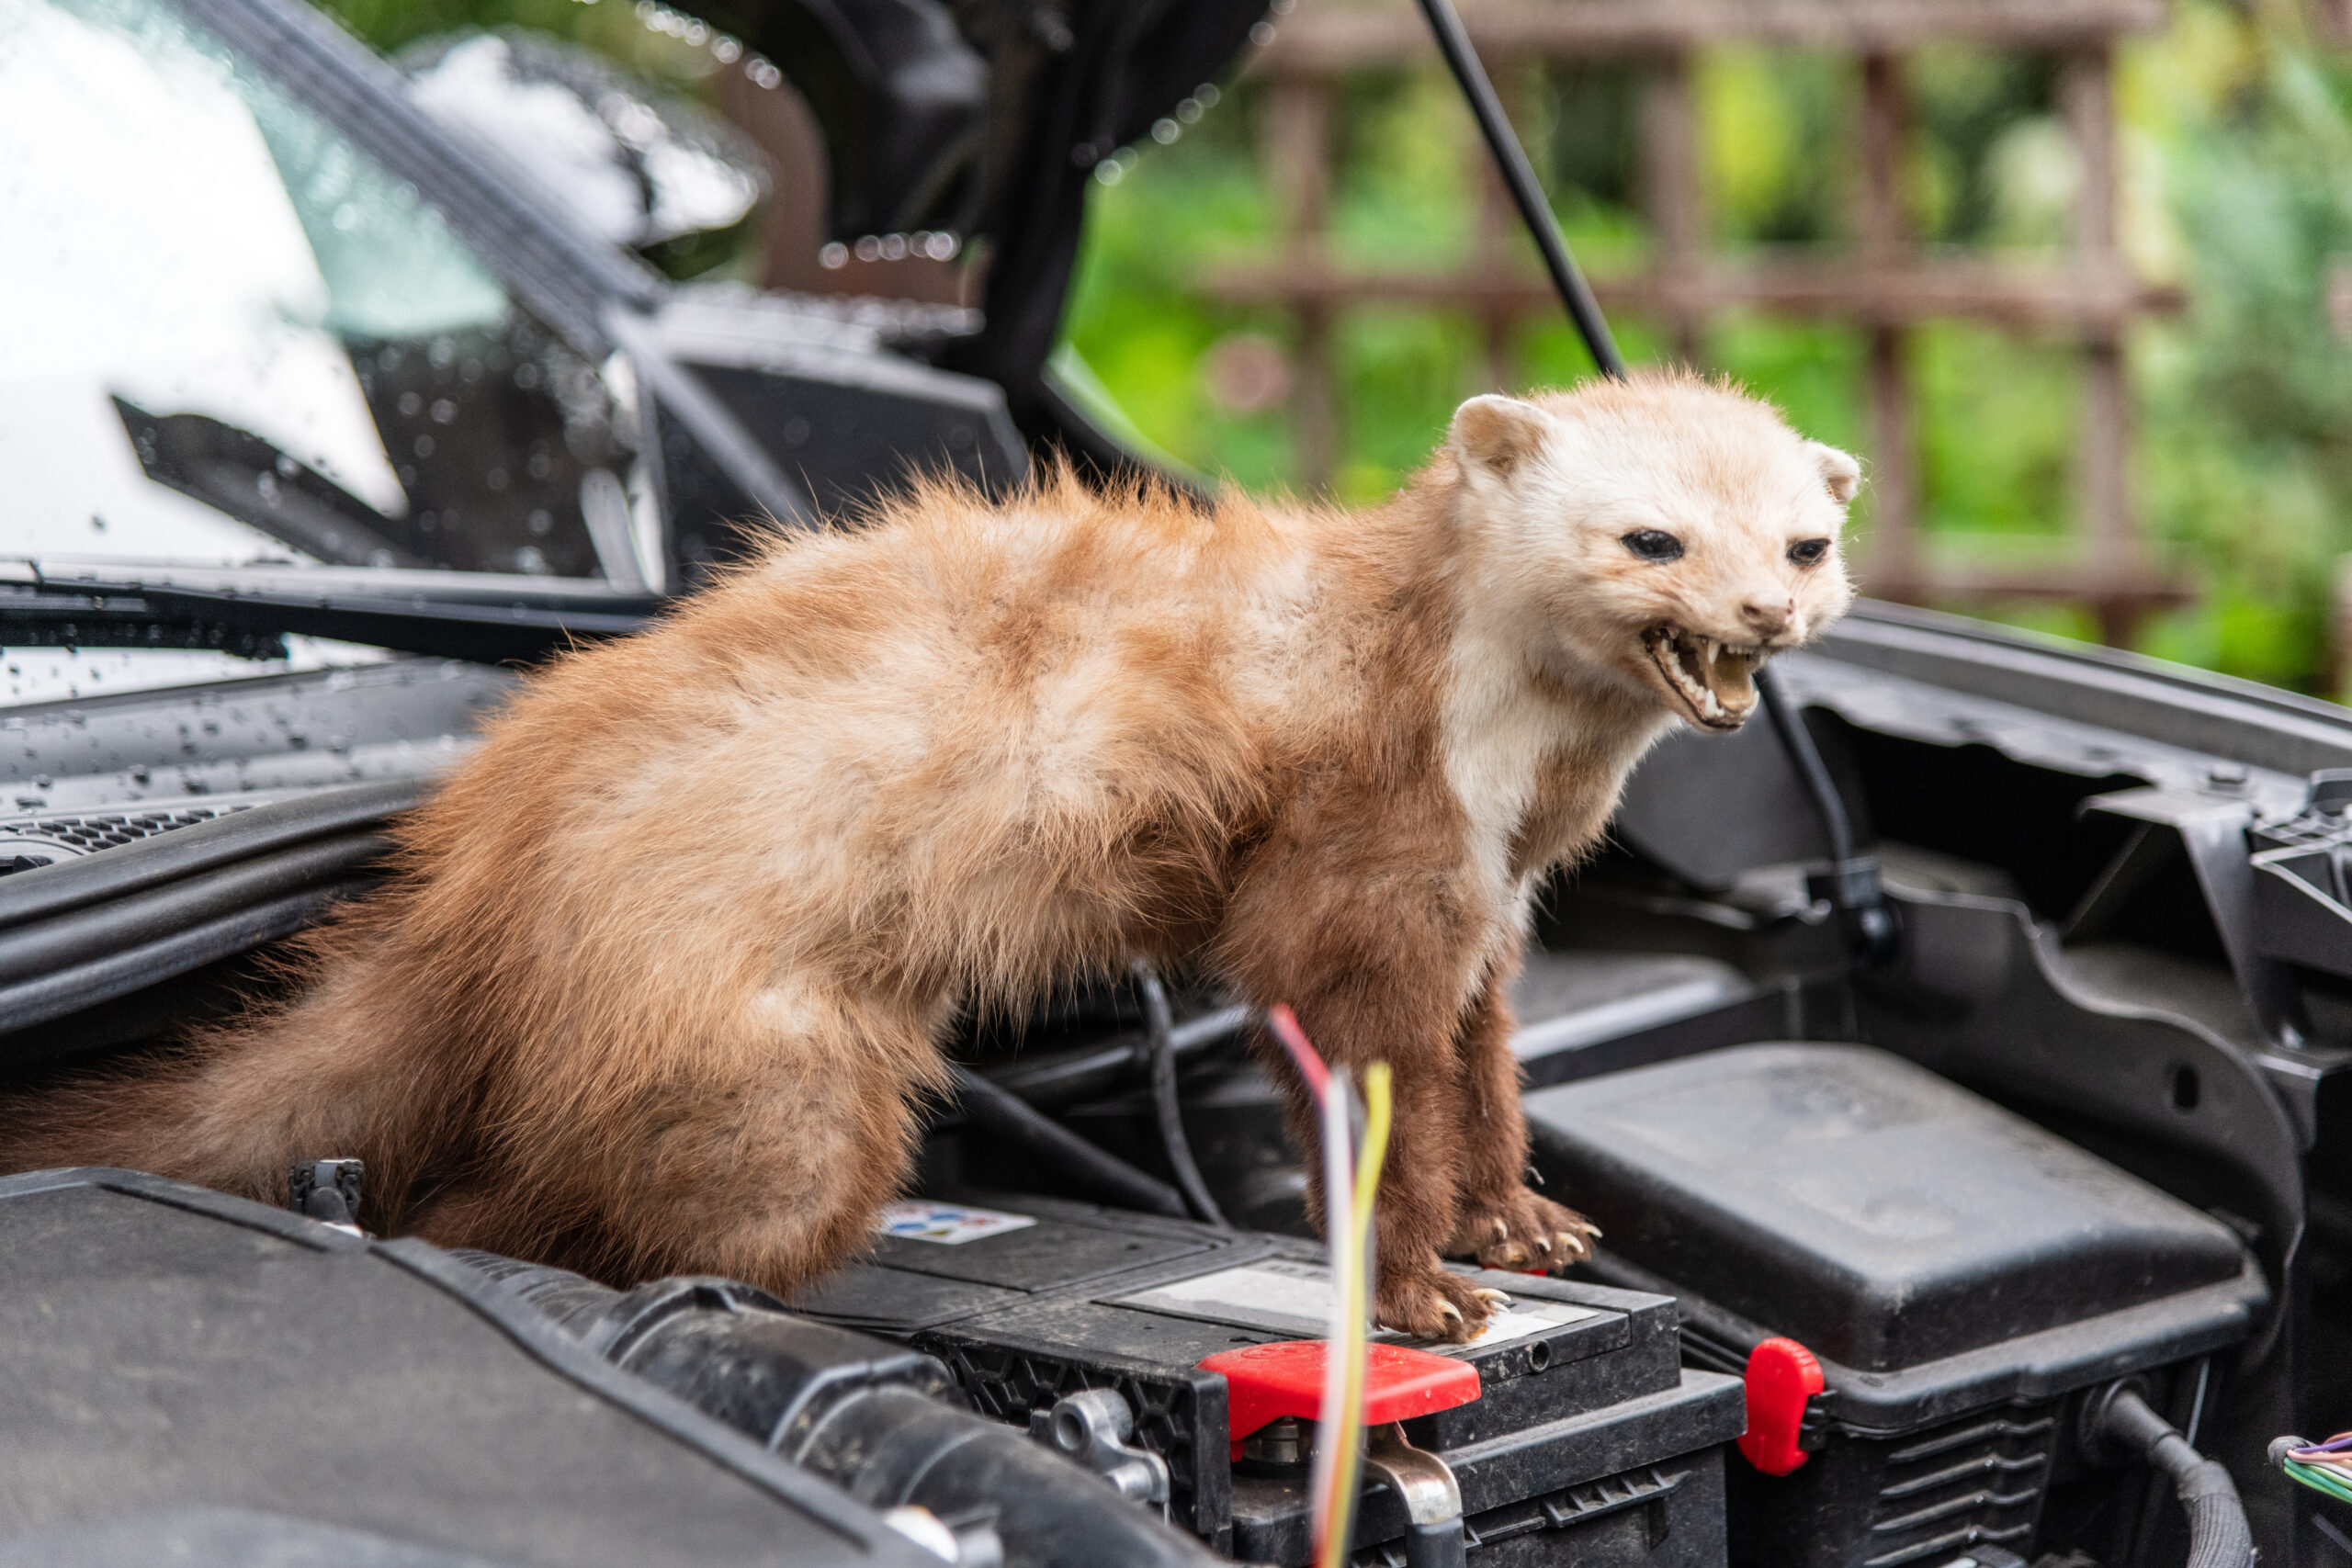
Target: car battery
x=1588, y=1441
x=1961, y=1276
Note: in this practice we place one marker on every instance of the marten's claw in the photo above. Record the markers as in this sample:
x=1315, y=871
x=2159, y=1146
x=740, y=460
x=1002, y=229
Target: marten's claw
x=1519, y=1230
x=1494, y=1298
x=1432, y=1304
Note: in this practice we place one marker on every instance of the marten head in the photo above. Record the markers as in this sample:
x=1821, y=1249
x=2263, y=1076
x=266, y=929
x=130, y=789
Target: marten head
x=1667, y=532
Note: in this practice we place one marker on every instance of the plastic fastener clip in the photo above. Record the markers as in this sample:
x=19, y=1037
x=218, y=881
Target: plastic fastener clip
x=1781, y=1376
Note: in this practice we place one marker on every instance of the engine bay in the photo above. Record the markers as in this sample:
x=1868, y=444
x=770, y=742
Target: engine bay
x=2081, y=1134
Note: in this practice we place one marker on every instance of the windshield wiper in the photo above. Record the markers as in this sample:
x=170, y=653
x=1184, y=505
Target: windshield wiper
x=479, y=617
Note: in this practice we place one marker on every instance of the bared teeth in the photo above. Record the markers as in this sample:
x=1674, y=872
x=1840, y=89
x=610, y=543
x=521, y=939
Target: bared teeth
x=1691, y=664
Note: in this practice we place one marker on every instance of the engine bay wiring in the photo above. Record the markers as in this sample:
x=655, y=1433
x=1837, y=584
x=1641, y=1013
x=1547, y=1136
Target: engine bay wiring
x=1353, y=1153
x=2324, y=1467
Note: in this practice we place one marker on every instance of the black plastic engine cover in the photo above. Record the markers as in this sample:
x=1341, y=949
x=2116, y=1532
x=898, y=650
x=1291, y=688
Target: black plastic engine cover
x=199, y=1380
x=1960, y=1272
x=1874, y=1211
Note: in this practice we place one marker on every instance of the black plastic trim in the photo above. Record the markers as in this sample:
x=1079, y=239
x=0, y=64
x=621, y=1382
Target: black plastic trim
x=2259, y=726
x=55, y=995
x=536, y=1336
x=46, y=950
x=185, y=852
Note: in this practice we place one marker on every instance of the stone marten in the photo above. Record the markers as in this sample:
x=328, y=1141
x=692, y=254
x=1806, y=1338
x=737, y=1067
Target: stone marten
x=660, y=978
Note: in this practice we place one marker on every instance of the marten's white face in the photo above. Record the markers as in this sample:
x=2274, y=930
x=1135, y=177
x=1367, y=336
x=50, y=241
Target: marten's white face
x=1670, y=532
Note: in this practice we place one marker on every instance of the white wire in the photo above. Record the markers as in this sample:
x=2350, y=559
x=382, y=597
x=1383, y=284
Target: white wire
x=1339, y=1197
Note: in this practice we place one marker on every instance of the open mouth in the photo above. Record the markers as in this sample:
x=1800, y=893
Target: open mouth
x=1717, y=681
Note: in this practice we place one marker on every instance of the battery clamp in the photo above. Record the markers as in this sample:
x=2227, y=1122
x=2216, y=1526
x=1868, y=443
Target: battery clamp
x=1283, y=1381
x=1096, y=1426
x=1435, y=1536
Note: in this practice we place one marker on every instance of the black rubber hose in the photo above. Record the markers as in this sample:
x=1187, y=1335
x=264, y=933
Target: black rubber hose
x=1164, y=1102
x=2217, y=1534
x=893, y=1448
x=28, y=1003
x=1102, y=1175
x=873, y=1417
x=1066, y=1077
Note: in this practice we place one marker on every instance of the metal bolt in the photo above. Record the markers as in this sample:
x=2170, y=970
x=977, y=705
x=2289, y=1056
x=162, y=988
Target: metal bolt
x=1285, y=1440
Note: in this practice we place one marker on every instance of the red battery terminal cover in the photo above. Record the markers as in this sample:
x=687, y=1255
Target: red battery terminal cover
x=1781, y=1376
x=1266, y=1382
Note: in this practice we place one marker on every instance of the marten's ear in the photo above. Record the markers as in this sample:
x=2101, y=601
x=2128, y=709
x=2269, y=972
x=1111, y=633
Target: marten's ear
x=1839, y=471
x=1497, y=434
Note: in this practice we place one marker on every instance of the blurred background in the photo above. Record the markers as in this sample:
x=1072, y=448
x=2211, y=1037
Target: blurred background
x=2075, y=277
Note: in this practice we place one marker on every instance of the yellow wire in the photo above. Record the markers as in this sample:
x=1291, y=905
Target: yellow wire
x=1376, y=1150
x=1368, y=1166
x=1338, y=1526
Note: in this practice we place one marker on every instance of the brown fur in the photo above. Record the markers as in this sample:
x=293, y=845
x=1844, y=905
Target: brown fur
x=658, y=983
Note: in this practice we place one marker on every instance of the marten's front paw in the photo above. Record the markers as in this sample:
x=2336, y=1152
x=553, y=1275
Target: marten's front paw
x=1523, y=1232
x=1429, y=1304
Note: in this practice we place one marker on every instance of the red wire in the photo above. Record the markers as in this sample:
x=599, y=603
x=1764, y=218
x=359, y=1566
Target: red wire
x=1302, y=1052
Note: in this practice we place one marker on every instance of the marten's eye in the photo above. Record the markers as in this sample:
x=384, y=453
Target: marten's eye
x=1653, y=543
x=1808, y=552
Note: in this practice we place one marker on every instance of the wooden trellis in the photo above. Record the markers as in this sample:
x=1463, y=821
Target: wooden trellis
x=1881, y=281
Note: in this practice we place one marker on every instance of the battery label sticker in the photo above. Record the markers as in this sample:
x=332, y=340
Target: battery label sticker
x=949, y=1225
x=1286, y=1297
x=1277, y=1294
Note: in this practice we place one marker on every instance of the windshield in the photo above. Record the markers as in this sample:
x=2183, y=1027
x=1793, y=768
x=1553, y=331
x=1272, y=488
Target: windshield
x=233, y=338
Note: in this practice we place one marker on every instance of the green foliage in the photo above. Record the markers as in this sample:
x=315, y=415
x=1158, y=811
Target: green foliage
x=2246, y=401
x=1996, y=428
x=1969, y=104
x=2237, y=146
x=1775, y=143
x=1140, y=321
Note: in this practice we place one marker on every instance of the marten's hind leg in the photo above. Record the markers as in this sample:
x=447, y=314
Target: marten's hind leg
x=1500, y=1222
x=758, y=1152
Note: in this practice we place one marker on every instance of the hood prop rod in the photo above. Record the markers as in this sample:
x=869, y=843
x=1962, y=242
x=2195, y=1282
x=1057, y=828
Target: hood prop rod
x=1518, y=176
